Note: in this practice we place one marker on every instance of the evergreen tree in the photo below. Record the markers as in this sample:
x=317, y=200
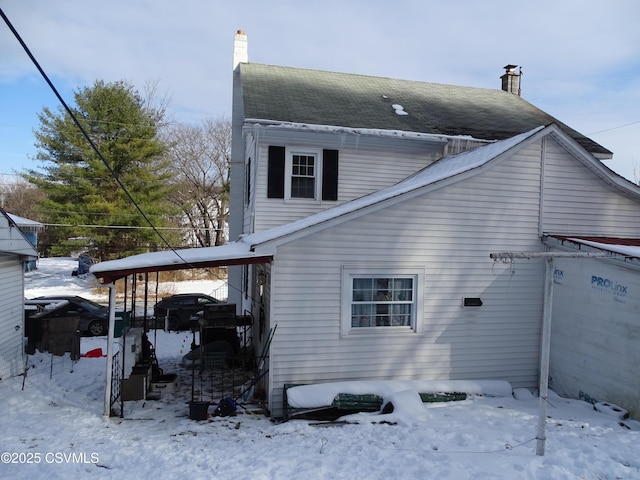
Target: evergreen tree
x=82, y=196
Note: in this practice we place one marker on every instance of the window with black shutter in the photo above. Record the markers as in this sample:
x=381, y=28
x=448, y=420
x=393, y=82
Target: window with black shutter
x=301, y=173
x=330, y=175
x=248, y=183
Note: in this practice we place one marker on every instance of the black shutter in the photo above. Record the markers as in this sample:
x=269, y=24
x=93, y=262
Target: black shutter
x=275, y=172
x=330, y=175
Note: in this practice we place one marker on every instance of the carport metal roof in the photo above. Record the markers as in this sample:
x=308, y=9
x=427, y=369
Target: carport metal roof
x=235, y=253
x=625, y=251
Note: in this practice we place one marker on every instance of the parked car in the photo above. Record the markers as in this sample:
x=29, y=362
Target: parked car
x=181, y=307
x=93, y=317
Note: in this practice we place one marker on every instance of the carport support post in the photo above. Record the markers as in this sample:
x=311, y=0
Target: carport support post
x=545, y=349
x=110, y=339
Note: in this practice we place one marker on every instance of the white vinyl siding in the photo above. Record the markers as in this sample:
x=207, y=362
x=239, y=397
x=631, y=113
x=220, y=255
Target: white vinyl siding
x=448, y=232
x=362, y=170
x=11, y=316
x=576, y=201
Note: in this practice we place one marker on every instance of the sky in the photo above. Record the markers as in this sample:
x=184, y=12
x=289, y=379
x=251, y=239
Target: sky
x=580, y=58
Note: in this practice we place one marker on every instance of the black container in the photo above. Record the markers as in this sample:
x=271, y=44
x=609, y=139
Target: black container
x=198, y=410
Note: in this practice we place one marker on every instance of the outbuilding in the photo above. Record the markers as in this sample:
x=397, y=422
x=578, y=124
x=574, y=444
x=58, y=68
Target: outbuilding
x=15, y=251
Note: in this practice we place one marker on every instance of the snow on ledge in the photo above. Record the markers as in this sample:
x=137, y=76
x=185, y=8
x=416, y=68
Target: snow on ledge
x=322, y=394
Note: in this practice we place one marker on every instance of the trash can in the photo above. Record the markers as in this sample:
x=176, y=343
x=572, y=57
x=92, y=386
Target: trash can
x=123, y=323
x=198, y=410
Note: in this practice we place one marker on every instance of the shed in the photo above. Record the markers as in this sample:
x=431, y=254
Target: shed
x=15, y=251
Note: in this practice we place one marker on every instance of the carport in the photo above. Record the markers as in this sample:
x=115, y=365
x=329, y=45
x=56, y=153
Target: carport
x=107, y=273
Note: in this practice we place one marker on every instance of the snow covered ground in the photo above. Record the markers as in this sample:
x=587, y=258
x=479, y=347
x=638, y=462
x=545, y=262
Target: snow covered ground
x=53, y=428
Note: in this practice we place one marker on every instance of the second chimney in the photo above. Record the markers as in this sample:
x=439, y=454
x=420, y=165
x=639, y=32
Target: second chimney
x=511, y=79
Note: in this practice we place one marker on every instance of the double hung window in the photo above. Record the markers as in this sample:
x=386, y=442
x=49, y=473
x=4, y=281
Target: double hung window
x=382, y=301
x=303, y=175
x=375, y=301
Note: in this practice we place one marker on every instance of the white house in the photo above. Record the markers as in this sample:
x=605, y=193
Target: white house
x=15, y=250
x=364, y=211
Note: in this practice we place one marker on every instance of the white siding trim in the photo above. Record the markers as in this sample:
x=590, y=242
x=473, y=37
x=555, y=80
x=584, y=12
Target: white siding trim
x=543, y=161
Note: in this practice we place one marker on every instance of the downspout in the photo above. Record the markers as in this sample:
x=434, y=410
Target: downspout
x=110, y=341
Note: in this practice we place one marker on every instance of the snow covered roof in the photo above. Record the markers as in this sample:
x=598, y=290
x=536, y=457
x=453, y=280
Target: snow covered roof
x=304, y=96
x=25, y=223
x=234, y=253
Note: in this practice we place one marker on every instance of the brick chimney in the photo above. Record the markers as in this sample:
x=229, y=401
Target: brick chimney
x=511, y=79
x=240, y=48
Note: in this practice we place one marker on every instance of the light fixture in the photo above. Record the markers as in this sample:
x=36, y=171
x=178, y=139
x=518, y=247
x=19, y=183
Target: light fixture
x=262, y=278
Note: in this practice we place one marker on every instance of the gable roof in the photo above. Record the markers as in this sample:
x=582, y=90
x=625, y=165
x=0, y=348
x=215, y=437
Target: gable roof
x=317, y=97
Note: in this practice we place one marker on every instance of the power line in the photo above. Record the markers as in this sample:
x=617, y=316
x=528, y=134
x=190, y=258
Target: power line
x=85, y=134
x=128, y=227
x=614, y=128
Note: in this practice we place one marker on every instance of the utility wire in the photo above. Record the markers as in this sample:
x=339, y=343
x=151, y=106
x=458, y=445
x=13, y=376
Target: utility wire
x=85, y=134
x=614, y=128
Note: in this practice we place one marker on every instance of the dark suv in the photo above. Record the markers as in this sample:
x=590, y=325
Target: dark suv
x=179, y=308
x=93, y=318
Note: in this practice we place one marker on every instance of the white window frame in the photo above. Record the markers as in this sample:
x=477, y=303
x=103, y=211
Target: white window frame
x=349, y=272
x=288, y=172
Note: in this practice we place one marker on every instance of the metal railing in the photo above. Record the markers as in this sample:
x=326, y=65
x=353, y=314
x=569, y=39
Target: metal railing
x=116, y=380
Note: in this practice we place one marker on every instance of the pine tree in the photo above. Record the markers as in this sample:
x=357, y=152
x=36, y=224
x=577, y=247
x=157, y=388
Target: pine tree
x=82, y=196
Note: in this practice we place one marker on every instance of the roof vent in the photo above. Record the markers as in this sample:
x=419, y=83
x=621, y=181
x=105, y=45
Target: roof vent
x=511, y=79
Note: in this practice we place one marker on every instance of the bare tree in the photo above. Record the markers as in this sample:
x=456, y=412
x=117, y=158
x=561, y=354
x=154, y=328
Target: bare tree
x=21, y=198
x=200, y=156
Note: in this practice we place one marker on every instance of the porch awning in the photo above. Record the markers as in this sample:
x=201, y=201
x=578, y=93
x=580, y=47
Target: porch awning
x=234, y=253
